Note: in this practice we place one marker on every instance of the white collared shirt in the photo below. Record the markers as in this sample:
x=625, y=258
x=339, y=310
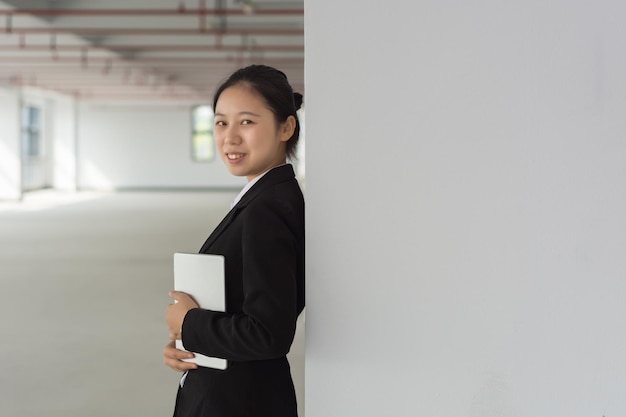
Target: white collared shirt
x=250, y=184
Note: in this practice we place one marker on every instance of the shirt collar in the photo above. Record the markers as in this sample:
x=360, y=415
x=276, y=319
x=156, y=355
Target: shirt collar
x=249, y=185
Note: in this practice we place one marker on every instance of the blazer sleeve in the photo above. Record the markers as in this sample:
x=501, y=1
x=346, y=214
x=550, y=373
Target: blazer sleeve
x=265, y=327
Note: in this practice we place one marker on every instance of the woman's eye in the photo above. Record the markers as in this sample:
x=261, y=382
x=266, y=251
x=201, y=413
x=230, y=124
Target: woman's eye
x=246, y=122
x=220, y=123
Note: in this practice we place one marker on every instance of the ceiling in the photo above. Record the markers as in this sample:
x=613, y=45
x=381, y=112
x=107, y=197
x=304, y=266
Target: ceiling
x=158, y=51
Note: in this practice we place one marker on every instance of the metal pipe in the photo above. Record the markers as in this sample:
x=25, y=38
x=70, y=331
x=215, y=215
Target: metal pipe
x=99, y=74
x=160, y=48
x=36, y=60
x=151, y=12
x=161, y=32
x=202, y=15
x=84, y=57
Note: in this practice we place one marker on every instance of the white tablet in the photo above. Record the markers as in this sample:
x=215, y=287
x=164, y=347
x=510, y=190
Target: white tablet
x=201, y=276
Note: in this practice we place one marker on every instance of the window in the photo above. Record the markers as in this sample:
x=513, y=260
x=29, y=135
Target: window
x=31, y=132
x=202, y=144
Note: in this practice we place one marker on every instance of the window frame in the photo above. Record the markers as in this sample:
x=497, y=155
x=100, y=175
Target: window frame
x=202, y=138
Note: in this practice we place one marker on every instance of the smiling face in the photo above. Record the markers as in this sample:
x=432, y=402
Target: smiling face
x=249, y=139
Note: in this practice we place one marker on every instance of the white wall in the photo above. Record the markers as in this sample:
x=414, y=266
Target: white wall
x=466, y=166
x=10, y=148
x=142, y=146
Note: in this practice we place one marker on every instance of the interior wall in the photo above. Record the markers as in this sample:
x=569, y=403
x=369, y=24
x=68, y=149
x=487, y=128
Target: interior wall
x=465, y=208
x=142, y=147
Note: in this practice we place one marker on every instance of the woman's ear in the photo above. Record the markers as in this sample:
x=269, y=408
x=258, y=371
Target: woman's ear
x=287, y=128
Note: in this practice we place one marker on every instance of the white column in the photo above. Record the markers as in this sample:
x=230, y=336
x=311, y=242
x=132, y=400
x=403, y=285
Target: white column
x=466, y=200
x=10, y=160
x=64, y=149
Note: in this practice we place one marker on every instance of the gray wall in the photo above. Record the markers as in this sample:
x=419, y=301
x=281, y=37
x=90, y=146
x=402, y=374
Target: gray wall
x=466, y=167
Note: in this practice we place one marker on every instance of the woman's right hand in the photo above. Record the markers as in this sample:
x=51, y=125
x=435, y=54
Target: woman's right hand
x=172, y=357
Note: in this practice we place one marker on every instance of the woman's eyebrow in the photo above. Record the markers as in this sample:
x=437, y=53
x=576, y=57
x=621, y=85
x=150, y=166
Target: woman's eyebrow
x=242, y=113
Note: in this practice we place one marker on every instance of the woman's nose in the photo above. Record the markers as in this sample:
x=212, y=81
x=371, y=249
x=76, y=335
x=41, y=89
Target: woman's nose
x=232, y=137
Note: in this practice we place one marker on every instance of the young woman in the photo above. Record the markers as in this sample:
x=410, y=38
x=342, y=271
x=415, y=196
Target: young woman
x=262, y=240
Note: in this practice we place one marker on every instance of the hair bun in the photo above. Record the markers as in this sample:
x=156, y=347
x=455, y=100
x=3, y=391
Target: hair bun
x=297, y=100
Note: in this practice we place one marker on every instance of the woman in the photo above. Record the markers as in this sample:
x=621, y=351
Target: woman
x=262, y=240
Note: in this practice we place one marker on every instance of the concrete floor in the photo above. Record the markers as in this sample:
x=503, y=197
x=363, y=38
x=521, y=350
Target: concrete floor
x=84, y=279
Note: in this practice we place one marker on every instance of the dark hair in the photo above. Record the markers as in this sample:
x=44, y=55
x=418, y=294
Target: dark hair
x=274, y=87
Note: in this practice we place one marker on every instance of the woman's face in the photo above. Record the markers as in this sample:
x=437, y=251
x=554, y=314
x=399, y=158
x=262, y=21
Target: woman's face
x=248, y=138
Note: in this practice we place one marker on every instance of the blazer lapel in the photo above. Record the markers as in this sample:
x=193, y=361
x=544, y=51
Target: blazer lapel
x=275, y=176
x=219, y=229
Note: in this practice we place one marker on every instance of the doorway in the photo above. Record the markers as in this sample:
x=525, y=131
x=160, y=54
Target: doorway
x=34, y=165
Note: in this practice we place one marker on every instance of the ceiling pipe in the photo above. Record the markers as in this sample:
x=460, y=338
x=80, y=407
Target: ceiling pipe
x=133, y=86
x=118, y=80
x=158, y=48
x=36, y=60
x=151, y=12
x=195, y=79
x=160, y=32
x=84, y=57
x=202, y=15
x=197, y=84
x=223, y=22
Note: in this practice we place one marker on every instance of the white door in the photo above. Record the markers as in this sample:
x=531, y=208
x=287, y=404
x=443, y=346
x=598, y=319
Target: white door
x=34, y=167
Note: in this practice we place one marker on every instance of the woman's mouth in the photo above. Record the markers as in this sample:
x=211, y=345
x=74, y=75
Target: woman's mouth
x=234, y=156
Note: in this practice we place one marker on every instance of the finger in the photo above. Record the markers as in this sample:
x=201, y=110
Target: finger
x=172, y=352
x=172, y=358
x=180, y=366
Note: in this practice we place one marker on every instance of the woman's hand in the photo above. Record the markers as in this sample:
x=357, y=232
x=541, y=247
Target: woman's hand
x=172, y=357
x=175, y=313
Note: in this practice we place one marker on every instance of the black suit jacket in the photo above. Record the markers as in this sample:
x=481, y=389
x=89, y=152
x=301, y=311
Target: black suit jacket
x=262, y=240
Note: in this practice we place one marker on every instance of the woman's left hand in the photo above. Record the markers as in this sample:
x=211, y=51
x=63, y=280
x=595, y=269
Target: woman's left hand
x=175, y=313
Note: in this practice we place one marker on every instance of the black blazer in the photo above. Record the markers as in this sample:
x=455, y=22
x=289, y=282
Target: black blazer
x=262, y=240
